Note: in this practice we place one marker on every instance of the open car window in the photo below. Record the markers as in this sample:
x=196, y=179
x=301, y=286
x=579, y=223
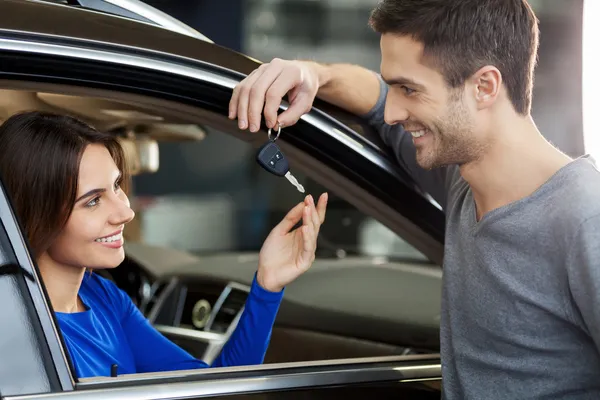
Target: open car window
x=222, y=201
x=383, y=370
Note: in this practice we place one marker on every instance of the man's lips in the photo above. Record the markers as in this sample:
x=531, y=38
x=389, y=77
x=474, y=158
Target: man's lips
x=418, y=133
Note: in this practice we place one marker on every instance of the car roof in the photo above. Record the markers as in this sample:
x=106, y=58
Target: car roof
x=67, y=22
x=134, y=9
x=71, y=22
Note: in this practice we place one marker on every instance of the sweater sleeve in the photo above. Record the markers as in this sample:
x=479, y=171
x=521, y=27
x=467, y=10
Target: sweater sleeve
x=250, y=340
x=584, y=276
x=247, y=345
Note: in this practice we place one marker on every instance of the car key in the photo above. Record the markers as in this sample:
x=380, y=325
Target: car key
x=271, y=158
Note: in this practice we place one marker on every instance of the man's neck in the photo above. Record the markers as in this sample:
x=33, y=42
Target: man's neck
x=62, y=284
x=513, y=167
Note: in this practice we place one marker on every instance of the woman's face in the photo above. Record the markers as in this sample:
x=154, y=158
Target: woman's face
x=93, y=236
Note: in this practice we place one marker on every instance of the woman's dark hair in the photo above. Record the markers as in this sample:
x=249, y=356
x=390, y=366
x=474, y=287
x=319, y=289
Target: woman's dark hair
x=40, y=154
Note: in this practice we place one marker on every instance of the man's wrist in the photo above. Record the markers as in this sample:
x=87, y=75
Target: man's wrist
x=322, y=72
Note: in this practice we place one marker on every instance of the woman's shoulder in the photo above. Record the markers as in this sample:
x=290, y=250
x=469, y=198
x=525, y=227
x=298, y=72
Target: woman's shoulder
x=94, y=282
x=99, y=291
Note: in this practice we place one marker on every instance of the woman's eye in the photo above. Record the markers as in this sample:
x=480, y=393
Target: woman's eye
x=117, y=186
x=94, y=202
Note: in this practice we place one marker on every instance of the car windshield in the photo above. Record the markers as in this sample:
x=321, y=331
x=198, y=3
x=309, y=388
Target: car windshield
x=212, y=197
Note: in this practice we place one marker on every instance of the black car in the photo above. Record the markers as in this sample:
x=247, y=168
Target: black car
x=363, y=321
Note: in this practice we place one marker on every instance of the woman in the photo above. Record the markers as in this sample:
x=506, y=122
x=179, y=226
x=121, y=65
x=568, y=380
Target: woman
x=67, y=183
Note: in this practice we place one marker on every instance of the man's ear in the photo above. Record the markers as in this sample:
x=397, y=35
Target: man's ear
x=486, y=84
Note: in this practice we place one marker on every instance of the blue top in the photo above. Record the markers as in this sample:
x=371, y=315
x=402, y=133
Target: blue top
x=113, y=331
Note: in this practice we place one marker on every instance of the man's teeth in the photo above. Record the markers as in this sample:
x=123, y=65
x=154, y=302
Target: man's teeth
x=418, y=134
x=109, y=239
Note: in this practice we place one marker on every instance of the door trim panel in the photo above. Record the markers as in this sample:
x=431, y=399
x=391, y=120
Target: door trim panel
x=262, y=378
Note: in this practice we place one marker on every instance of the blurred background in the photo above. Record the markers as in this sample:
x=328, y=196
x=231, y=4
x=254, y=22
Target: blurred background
x=337, y=31
x=239, y=197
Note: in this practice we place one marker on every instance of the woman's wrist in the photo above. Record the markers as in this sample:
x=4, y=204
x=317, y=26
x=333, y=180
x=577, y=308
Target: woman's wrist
x=266, y=282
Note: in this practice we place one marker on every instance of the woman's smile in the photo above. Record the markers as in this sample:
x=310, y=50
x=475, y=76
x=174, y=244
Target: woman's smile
x=113, y=241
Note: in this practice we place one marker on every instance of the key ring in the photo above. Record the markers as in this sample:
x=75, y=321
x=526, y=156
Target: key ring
x=278, y=133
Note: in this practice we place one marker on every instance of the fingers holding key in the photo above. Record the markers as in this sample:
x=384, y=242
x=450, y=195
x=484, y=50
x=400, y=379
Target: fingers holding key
x=289, y=79
x=264, y=89
x=241, y=97
x=260, y=92
x=248, y=96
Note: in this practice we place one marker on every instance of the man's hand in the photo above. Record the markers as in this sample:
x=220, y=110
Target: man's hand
x=265, y=88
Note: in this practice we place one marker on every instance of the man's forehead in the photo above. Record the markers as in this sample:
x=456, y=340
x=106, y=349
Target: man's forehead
x=399, y=53
x=401, y=48
x=402, y=62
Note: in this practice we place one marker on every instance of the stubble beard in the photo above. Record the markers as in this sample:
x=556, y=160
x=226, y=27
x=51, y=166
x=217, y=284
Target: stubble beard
x=453, y=141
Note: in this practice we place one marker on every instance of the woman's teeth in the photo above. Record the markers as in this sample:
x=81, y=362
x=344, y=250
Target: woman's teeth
x=109, y=239
x=418, y=134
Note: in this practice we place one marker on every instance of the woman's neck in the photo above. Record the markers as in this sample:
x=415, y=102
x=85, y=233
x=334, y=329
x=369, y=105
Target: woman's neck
x=62, y=283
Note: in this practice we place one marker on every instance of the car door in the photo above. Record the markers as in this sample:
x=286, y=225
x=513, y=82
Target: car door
x=76, y=52
x=33, y=364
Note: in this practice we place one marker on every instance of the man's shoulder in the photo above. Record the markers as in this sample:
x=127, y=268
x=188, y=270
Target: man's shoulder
x=579, y=186
x=575, y=197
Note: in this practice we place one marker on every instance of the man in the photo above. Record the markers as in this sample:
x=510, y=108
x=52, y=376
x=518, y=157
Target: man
x=521, y=290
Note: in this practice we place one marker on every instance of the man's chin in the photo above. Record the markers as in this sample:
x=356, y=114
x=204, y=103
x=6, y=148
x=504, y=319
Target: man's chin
x=425, y=161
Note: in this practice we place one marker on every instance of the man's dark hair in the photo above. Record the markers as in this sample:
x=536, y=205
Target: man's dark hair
x=461, y=36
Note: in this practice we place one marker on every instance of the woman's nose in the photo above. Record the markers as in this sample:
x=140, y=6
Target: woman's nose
x=122, y=212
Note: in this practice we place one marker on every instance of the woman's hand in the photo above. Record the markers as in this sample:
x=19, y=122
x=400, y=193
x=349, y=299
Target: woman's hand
x=285, y=254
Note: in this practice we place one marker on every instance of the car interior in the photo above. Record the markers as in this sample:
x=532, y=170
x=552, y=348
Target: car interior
x=192, y=250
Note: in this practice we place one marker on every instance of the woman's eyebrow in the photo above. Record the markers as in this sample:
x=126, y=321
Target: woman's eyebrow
x=91, y=192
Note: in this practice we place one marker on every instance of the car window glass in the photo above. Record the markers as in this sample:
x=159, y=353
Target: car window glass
x=211, y=196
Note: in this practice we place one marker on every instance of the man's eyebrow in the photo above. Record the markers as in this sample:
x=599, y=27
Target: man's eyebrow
x=90, y=193
x=401, y=81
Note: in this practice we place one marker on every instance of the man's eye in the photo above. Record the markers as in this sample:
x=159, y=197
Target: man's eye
x=408, y=91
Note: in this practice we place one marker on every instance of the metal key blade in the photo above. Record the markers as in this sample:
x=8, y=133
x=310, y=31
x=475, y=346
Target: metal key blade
x=294, y=181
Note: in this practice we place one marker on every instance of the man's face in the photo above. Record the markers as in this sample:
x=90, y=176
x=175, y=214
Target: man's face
x=441, y=120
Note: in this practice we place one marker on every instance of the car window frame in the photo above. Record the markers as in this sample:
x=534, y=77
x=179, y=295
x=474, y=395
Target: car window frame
x=34, y=297
x=225, y=82
x=420, y=212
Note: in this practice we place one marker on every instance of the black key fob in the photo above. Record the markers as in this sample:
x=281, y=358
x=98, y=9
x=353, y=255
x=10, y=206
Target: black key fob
x=271, y=158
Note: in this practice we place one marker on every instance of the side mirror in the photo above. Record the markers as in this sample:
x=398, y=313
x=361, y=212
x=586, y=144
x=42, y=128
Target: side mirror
x=141, y=153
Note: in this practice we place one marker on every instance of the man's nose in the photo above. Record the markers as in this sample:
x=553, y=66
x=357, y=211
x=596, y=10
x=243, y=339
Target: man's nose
x=395, y=111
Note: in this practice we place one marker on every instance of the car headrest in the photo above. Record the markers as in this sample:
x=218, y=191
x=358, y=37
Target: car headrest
x=141, y=154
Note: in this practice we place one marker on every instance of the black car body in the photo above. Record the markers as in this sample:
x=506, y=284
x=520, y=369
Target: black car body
x=58, y=56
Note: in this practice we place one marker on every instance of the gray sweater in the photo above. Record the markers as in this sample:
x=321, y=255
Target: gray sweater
x=521, y=288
